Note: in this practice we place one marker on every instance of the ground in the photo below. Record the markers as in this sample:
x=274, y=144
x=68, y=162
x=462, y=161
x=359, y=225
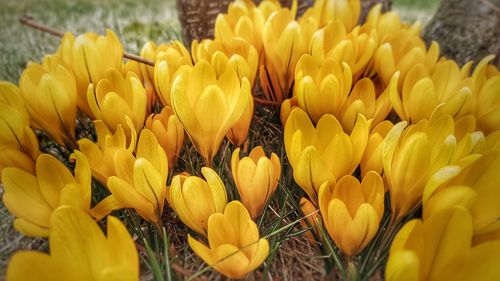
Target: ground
x=135, y=22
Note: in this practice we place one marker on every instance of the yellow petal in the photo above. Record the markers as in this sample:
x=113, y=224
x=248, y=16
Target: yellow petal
x=52, y=177
x=41, y=267
x=402, y=266
x=121, y=248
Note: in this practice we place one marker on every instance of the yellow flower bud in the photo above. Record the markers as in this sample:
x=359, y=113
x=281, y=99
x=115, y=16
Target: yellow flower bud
x=372, y=158
x=195, y=199
x=169, y=133
x=256, y=178
x=352, y=210
x=234, y=247
x=90, y=56
x=50, y=98
x=313, y=218
x=209, y=105
x=346, y=11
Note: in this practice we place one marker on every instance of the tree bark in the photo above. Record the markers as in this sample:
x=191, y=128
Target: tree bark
x=197, y=17
x=466, y=30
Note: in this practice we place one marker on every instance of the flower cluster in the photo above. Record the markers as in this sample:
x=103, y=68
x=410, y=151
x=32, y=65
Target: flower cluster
x=395, y=150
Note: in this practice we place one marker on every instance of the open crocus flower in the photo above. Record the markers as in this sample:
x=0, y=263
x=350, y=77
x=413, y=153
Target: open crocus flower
x=321, y=87
x=322, y=153
x=90, y=56
x=440, y=92
x=234, y=247
x=33, y=198
x=169, y=133
x=117, y=96
x=256, y=178
x=209, y=105
x=285, y=40
x=195, y=199
x=245, y=20
x=439, y=248
x=140, y=181
x=352, y=210
x=401, y=51
x=170, y=60
x=50, y=98
x=101, y=155
x=79, y=251
x=346, y=11
x=18, y=142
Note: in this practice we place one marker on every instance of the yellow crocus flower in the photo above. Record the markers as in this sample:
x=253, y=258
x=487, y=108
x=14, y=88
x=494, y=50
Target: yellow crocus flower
x=387, y=23
x=372, y=158
x=234, y=248
x=346, y=11
x=101, y=155
x=170, y=60
x=195, y=199
x=285, y=41
x=140, y=181
x=169, y=133
x=313, y=219
x=322, y=153
x=18, y=141
x=245, y=20
x=116, y=96
x=79, y=251
x=90, y=56
x=439, y=248
x=50, y=98
x=352, y=210
x=321, y=87
x=33, y=198
x=256, y=178
x=209, y=105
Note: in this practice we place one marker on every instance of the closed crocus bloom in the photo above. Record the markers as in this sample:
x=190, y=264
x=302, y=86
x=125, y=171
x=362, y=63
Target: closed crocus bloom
x=245, y=20
x=440, y=93
x=285, y=40
x=18, y=142
x=170, y=60
x=485, y=83
x=33, y=198
x=352, y=210
x=322, y=153
x=256, y=178
x=411, y=155
x=140, y=181
x=90, y=56
x=346, y=11
x=372, y=158
x=79, y=251
x=50, y=98
x=321, y=87
x=209, y=105
x=439, y=248
x=236, y=53
x=234, y=245
x=401, y=51
x=117, y=96
x=238, y=133
x=387, y=23
x=101, y=155
x=169, y=133
x=195, y=199
x=286, y=108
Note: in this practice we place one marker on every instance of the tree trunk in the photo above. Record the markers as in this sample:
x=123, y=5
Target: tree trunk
x=466, y=30
x=197, y=17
